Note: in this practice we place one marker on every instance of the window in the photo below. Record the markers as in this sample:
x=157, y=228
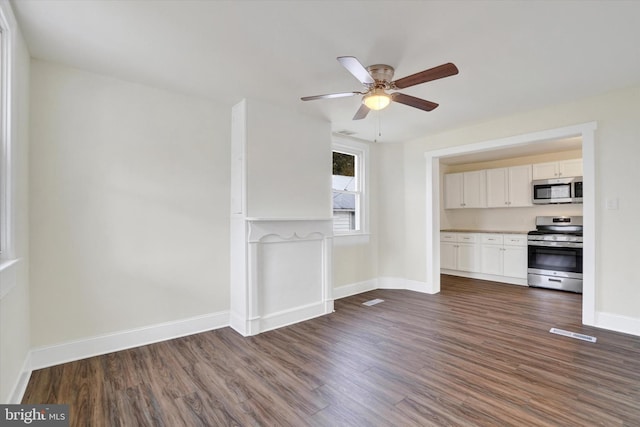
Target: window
x=349, y=186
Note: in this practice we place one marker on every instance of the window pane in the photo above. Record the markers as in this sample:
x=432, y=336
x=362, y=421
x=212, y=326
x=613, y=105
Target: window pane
x=344, y=211
x=343, y=183
x=344, y=172
x=344, y=164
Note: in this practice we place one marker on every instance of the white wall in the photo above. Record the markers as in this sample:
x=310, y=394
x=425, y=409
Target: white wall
x=390, y=209
x=288, y=164
x=617, y=174
x=129, y=205
x=14, y=306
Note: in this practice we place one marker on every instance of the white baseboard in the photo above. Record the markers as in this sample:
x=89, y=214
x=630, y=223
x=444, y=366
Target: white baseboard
x=617, y=323
x=354, y=288
x=400, y=283
x=21, y=385
x=245, y=327
x=61, y=353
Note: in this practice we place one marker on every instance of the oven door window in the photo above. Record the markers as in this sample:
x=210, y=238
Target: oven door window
x=556, y=259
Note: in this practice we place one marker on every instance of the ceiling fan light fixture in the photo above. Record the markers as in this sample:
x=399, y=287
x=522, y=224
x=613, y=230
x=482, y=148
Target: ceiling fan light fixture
x=376, y=100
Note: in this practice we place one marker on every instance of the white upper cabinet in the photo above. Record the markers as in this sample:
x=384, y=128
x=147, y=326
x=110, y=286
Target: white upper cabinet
x=560, y=169
x=497, y=187
x=509, y=187
x=453, y=191
x=502, y=187
x=475, y=187
x=520, y=186
x=465, y=190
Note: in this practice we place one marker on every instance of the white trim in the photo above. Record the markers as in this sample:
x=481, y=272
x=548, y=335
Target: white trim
x=589, y=223
x=75, y=350
x=15, y=397
x=398, y=283
x=8, y=27
x=615, y=322
x=587, y=131
x=405, y=284
x=354, y=288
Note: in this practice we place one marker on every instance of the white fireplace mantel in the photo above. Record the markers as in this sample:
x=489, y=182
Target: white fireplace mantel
x=281, y=272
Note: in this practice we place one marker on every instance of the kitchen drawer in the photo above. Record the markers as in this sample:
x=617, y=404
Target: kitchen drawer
x=492, y=239
x=448, y=237
x=467, y=238
x=515, y=239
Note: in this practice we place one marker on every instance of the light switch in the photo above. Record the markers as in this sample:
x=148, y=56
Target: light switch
x=612, y=204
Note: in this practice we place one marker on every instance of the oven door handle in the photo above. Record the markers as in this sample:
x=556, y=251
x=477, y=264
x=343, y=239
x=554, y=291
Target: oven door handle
x=552, y=244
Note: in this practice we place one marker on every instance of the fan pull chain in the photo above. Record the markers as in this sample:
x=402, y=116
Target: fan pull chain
x=378, y=129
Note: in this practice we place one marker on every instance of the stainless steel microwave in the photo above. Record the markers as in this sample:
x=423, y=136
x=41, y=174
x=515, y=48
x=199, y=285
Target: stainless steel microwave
x=557, y=190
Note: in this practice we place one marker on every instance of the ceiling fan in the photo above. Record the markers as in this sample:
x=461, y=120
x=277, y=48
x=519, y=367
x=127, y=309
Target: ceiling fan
x=377, y=80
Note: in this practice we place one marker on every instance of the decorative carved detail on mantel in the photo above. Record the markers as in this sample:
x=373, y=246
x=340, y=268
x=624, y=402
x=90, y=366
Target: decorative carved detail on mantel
x=284, y=230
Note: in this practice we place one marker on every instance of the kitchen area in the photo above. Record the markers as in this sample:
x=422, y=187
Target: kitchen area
x=514, y=216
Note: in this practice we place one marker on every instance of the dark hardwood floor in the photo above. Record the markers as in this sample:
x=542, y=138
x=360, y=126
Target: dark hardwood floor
x=478, y=353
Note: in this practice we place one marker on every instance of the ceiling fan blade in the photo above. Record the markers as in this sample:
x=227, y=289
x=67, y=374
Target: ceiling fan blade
x=354, y=66
x=435, y=73
x=330, y=95
x=412, y=101
x=361, y=113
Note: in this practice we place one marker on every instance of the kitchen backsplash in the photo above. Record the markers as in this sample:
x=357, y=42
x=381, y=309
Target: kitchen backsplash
x=503, y=219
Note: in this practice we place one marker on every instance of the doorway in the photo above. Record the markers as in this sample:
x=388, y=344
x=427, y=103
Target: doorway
x=587, y=133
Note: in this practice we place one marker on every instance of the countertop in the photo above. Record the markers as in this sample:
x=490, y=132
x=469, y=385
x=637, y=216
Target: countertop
x=460, y=230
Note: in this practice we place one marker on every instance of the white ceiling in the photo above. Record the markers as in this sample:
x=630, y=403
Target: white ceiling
x=513, y=56
x=539, y=147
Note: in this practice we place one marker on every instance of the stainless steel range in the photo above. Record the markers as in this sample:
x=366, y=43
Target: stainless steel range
x=555, y=253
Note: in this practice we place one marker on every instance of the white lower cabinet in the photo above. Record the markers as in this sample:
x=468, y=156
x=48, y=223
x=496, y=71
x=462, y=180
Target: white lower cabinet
x=459, y=251
x=504, y=255
x=499, y=257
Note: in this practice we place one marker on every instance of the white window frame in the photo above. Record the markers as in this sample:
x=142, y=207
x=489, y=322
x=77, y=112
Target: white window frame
x=361, y=151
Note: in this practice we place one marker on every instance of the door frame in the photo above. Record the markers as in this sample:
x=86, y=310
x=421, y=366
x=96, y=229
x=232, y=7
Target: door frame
x=587, y=132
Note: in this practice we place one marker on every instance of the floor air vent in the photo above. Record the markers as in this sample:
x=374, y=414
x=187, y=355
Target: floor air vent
x=373, y=302
x=573, y=335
